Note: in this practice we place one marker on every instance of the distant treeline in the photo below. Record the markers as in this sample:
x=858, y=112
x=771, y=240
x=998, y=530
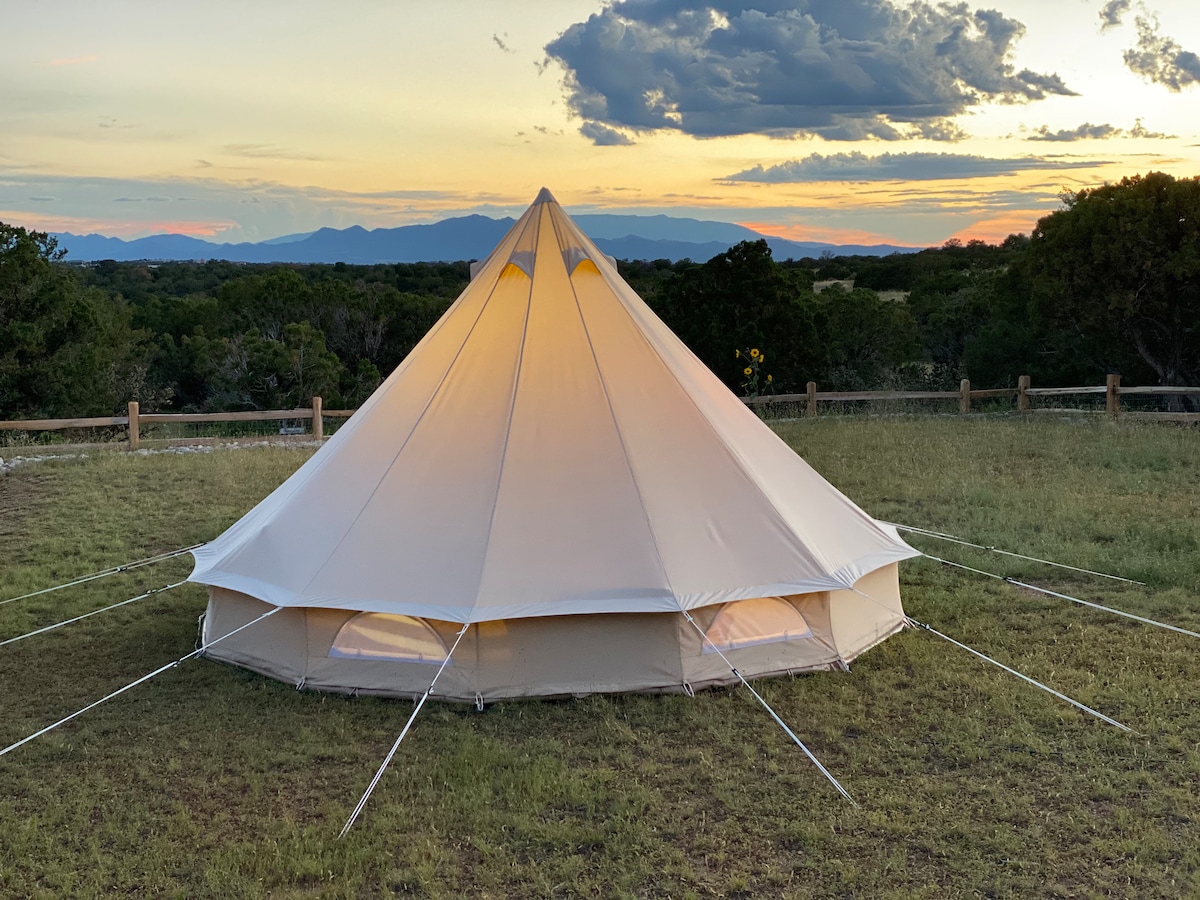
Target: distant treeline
x=1110, y=283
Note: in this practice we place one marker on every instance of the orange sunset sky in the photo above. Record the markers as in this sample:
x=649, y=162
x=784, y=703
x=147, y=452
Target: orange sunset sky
x=829, y=120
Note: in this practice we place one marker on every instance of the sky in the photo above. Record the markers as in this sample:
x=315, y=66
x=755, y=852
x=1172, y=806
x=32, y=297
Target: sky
x=848, y=121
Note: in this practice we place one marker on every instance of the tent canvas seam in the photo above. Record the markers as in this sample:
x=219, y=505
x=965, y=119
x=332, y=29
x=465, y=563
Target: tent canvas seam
x=733, y=455
x=617, y=426
x=512, y=411
x=417, y=424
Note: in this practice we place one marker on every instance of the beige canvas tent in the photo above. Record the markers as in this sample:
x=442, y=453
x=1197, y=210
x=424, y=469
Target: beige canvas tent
x=552, y=467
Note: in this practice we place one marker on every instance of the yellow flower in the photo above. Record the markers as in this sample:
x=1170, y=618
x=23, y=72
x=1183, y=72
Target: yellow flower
x=747, y=371
x=737, y=354
x=762, y=358
x=769, y=379
x=754, y=354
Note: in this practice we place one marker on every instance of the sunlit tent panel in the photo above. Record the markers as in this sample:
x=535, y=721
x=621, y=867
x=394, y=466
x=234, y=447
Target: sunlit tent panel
x=553, y=467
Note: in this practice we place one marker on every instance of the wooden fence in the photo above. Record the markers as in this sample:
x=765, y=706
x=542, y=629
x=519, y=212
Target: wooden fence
x=1022, y=394
x=316, y=414
x=135, y=419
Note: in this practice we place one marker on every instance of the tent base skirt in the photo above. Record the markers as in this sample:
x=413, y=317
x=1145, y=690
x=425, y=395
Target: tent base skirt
x=343, y=652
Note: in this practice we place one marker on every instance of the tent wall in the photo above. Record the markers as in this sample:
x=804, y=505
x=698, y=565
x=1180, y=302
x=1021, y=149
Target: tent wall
x=555, y=655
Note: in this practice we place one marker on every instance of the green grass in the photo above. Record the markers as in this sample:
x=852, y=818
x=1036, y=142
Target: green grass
x=213, y=782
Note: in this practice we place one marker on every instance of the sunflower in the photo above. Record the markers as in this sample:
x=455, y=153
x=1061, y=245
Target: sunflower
x=754, y=354
x=747, y=371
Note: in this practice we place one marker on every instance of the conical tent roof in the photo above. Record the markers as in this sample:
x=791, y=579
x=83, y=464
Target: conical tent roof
x=549, y=448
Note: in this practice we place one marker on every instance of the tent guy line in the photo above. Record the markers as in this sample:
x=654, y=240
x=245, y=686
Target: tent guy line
x=104, y=573
x=1087, y=709
x=94, y=612
x=197, y=652
x=941, y=536
x=774, y=715
x=913, y=623
x=396, y=746
x=1050, y=593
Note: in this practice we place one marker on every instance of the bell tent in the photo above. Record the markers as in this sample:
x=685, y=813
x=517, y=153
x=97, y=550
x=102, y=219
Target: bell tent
x=555, y=488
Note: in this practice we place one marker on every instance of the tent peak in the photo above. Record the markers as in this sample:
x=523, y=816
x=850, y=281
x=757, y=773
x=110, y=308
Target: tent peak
x=544, y=196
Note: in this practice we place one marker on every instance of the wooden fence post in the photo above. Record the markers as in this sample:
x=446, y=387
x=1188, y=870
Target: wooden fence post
x=812, y=398
x=135, y=425
x=1022, y=397
x=964, y=397
x=318, y=423
x=1112, y=395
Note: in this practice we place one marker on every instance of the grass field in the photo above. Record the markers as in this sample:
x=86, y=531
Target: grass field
x=213, y=782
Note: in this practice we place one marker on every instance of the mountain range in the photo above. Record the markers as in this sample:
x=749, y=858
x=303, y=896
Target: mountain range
x=463, y=237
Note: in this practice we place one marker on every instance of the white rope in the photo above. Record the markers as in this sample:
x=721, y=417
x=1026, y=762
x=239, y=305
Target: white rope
x=94, y=612
x=115, y=570
x=407, y=725
x=134, y=684
x=1050, y=593
x=938, y=535
x=774, y=715
x=1026, y=678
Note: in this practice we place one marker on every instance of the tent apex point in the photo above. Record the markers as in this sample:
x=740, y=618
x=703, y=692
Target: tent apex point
x=544, y=196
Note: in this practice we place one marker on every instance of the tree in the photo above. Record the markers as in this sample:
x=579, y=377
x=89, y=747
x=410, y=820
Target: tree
x=64, y=349
x=741, y=299
x=863, y=339
x=1121, y=263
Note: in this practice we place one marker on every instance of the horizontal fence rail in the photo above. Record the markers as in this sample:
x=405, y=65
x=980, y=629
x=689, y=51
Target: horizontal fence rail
x=315, y=414
x=1022, y=393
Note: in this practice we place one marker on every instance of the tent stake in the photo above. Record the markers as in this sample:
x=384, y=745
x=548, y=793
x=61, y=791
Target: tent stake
x=1050, y=593
x=396, y=746
x=1026, y=678
x=774, y=715
x=134, y=684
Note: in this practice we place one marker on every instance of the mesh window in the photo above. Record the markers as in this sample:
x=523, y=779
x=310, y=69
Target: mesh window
x=388, y=637
x=764, y=620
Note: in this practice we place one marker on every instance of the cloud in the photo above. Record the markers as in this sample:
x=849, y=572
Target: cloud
x=1110, y=15
x=1160, y=59
x=857, y=166
x=1141, y=131
x=499, y=42
x=248, y=209
x=1088, y=131
x=270, y=151
x=603, y=136
x=840, y=69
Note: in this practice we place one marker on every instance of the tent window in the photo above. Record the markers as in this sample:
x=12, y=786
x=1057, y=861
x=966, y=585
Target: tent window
x=764, y=620
x=386, y=637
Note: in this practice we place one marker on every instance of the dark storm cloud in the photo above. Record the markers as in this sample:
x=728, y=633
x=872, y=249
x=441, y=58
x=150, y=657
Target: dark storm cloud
x=899, y=167
x=841, y=69
x=603, y=136
x=1160, y=59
